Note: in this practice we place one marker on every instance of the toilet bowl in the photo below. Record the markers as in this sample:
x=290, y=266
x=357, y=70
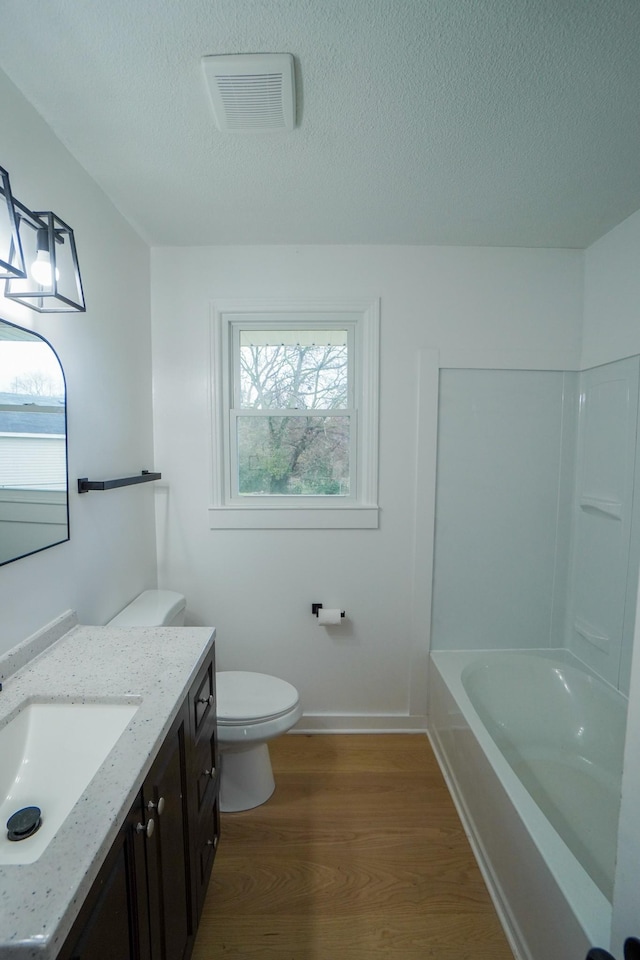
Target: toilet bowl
x=253, y=708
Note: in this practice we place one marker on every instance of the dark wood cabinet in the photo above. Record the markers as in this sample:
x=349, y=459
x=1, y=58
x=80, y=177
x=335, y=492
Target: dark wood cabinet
x=164, y=794
x=113, y=923
x=147, y=898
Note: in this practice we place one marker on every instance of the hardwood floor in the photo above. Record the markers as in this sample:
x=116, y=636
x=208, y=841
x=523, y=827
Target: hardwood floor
x=358, y=855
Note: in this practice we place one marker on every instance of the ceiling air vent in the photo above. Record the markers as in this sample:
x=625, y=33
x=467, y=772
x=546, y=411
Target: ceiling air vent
x=251, y=91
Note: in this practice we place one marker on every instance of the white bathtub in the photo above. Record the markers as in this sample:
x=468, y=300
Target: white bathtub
x=531, y=746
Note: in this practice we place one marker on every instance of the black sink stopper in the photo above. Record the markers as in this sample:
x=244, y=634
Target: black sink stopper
x=23, y=823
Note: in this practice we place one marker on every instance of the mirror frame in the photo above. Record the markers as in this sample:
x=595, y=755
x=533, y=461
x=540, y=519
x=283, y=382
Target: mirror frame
x=54, y=543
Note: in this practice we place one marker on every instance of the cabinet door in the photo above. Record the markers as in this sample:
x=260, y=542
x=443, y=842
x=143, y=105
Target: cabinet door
x=114, y=921
x=164, y=793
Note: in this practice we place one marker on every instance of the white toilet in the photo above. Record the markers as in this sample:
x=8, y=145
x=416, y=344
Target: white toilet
x=252, y=708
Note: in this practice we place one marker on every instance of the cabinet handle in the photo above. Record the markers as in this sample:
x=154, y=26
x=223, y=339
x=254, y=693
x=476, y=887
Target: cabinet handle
x=209, y=773
x=148, y=829
x=208, y=699
x=159, y=806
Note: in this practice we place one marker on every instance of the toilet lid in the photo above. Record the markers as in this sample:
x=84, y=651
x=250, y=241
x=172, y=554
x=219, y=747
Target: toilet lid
x=252, y=696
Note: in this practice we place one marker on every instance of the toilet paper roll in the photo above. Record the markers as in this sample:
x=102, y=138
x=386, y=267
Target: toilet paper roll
x=329, y=615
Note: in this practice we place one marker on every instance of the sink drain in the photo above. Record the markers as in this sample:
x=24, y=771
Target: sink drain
x=24, y=823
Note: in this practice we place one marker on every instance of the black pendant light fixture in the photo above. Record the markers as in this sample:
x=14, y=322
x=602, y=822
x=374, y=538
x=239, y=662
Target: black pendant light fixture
x=52, y=283
x=41, y=269
x=9, y=234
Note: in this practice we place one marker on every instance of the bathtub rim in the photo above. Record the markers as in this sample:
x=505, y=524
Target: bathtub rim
x=590, y=907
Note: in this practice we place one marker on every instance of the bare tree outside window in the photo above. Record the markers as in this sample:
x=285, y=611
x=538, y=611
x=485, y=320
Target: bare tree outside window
x=38, y=383
x=296, y=385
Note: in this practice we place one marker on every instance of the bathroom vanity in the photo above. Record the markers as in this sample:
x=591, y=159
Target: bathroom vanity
x=126, y=872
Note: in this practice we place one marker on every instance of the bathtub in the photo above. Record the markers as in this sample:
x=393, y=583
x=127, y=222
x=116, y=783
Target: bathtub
x=531, y=747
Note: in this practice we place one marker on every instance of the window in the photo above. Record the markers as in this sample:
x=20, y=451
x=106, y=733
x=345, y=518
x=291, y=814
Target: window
x=295, y=415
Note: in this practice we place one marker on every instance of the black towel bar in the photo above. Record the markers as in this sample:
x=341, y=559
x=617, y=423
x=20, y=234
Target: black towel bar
x=84, y=484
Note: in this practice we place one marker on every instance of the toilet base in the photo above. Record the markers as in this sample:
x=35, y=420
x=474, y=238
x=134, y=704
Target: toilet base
x=246, y=779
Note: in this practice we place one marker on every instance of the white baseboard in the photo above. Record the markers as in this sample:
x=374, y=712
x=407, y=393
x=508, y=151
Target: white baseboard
x=334, y=723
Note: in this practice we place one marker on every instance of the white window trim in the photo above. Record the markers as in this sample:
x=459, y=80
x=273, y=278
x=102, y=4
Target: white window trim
x=356, y=512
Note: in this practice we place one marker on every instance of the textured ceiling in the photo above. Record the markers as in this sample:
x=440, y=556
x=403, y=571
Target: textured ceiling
x=508, y=122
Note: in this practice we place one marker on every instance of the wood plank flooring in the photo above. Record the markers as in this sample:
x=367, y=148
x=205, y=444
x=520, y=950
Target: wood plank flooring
x=358, y=855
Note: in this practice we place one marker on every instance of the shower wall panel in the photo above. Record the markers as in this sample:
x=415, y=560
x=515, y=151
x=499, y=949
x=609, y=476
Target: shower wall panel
x=506, y=442
x=605, y=548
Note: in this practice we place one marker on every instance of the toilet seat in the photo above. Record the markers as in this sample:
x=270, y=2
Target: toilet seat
x=245, y=698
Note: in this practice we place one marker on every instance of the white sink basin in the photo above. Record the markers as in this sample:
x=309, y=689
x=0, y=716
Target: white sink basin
x=49, y=752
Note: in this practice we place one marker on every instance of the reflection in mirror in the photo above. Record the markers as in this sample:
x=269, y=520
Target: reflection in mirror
x=34, y=511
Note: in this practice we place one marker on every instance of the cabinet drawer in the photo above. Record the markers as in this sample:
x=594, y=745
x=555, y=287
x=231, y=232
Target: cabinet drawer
x=205, y=770
x=207, y=842
x=203, y=698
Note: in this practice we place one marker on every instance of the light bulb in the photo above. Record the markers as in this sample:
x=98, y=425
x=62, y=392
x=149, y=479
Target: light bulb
x=41, y=267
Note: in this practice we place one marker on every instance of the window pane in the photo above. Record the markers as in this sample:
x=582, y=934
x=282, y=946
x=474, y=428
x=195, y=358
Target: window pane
x=294, y=369
x=293, y=456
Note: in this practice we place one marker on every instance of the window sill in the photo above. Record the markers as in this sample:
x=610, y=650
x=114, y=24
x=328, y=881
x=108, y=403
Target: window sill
x=293, y=518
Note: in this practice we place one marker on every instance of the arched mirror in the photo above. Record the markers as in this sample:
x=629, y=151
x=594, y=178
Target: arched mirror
x=34, y=503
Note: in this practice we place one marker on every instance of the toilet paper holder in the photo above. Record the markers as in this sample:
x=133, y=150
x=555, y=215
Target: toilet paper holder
x=318, y=606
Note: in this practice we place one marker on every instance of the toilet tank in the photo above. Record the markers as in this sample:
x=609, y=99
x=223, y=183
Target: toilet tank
x=153, y=608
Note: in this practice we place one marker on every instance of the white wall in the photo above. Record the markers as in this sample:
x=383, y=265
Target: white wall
x=500, y=307
x=106, y=358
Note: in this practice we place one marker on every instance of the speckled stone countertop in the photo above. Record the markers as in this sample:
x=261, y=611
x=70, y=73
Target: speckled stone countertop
x=40, y=901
